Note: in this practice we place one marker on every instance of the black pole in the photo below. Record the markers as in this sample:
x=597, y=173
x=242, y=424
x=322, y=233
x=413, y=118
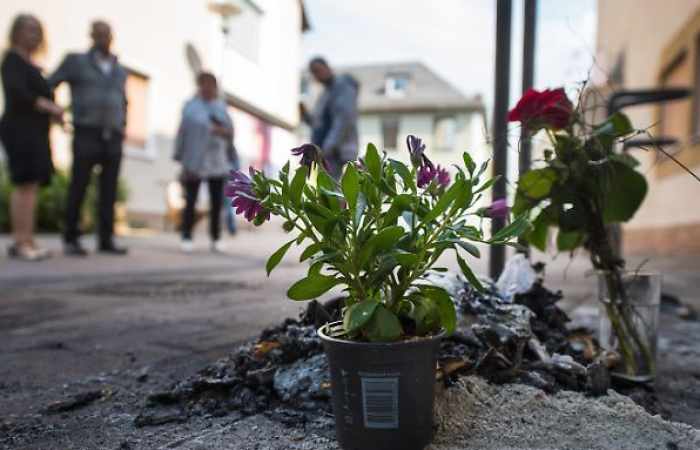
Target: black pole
x=500, y=125
x=529, y=33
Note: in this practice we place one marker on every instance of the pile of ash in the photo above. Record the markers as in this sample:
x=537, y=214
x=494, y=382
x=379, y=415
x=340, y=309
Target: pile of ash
x=524, y=340
x=284, y=373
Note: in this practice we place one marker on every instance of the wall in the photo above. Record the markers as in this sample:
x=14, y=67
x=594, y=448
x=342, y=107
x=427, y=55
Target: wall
x=642, y=30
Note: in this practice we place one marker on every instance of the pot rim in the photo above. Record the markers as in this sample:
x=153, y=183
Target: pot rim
x=377, y=345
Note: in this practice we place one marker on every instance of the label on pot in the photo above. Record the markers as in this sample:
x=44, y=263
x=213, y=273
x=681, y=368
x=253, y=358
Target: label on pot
x=380, y=401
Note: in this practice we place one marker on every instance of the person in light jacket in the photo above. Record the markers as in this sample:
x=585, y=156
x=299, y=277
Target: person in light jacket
x=204, y=147
x=334, y=117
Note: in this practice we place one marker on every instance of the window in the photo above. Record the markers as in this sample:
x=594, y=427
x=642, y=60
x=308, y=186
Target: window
x=244, y=30
x=396, y=84
x=136, y=111
x=390, y=132
x=675, y=115
x=445, y=133
x=680, y=119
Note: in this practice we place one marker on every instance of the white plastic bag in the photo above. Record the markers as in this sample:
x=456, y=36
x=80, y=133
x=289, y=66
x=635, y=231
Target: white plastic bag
x=517, y=277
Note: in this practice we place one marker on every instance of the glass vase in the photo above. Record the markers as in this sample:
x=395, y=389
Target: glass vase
x=629, y=320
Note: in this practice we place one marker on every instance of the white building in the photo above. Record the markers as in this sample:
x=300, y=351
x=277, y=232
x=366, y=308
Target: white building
x=397, y=99
x=256, y=53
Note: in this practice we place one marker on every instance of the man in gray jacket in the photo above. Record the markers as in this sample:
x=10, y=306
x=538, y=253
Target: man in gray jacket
x=98, y=102
x=334, y=118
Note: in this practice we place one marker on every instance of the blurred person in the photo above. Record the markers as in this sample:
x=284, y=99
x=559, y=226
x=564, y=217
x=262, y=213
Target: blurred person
x=204, y=147
x=98, y=99
x=334, y=118
x=24, y=131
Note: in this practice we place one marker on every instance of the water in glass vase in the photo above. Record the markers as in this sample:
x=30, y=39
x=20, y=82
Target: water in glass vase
x=629, y=319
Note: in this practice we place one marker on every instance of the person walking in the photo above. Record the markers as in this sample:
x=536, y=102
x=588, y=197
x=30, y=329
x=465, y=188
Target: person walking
x=334, y=118
x=98, y=99
x=24, y=131
x=204, y=147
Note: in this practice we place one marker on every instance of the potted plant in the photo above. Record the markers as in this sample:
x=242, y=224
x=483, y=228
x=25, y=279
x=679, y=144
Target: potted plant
x=376, y=233
x=582, y=188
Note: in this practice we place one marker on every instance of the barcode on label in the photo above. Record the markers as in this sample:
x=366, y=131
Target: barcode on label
x=380, y=402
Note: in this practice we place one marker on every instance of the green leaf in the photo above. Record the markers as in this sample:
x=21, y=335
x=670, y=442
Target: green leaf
x=361, y=206
x=276, y=257
x=384, y=326
x=441, y=206
x=468, y=247
x=358, y=315
x=481, y=171
x=380, y=242
x=469, y=274
x=400, y=204
x=537, y=236
x=616, y=125
x=351, y=185
x=514, y=229
x=537, y=184
x=424, y=313
x=405, y=174
x=465, y=194
x=406, y=259
x=487, y=185
x=310, y=251
x=567, y=241
x=297, y=185
x=469, y=163
x=373, y=162
x=445, y=306
x=311, y=287
x=625, y=193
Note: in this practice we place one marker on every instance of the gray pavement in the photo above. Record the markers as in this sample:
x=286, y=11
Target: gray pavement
x=68, y=324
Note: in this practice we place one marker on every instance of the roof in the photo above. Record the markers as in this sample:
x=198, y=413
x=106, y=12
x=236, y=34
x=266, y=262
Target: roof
x=426, y=90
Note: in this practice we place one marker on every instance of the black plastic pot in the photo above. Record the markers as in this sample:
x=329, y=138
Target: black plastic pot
x=383, y=393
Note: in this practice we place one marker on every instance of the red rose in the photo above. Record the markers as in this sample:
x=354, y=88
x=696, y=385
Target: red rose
x=547, y=109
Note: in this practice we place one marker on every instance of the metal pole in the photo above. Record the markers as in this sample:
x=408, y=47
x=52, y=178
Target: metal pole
x=529, y=34
x=500, y=126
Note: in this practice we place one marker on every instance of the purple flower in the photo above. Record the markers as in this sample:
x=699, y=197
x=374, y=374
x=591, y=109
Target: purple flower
x=310, y=156
x=425, y=175
x=498, y=210
x=416, y=148
x=443, y=176
x=240, y=190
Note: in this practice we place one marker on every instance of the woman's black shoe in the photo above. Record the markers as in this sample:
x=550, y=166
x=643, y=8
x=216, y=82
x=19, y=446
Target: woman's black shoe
x=74, y=249
x=113, y=249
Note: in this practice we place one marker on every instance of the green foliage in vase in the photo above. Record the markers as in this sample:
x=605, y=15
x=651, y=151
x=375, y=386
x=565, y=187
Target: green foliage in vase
x=583, y=187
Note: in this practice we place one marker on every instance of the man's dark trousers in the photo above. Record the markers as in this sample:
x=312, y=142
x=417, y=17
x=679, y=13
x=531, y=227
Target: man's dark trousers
x=94, y=147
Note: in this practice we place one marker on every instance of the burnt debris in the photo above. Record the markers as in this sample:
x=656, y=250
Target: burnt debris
x=284, y=373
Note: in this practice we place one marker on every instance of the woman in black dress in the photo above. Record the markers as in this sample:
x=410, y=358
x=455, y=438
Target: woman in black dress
x=24, y=131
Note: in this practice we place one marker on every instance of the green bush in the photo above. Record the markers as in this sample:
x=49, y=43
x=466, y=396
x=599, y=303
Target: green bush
x=51, y=208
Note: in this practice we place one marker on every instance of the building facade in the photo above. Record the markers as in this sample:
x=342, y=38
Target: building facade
x=408, y=98
x=253, y=46
x=652, y=44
